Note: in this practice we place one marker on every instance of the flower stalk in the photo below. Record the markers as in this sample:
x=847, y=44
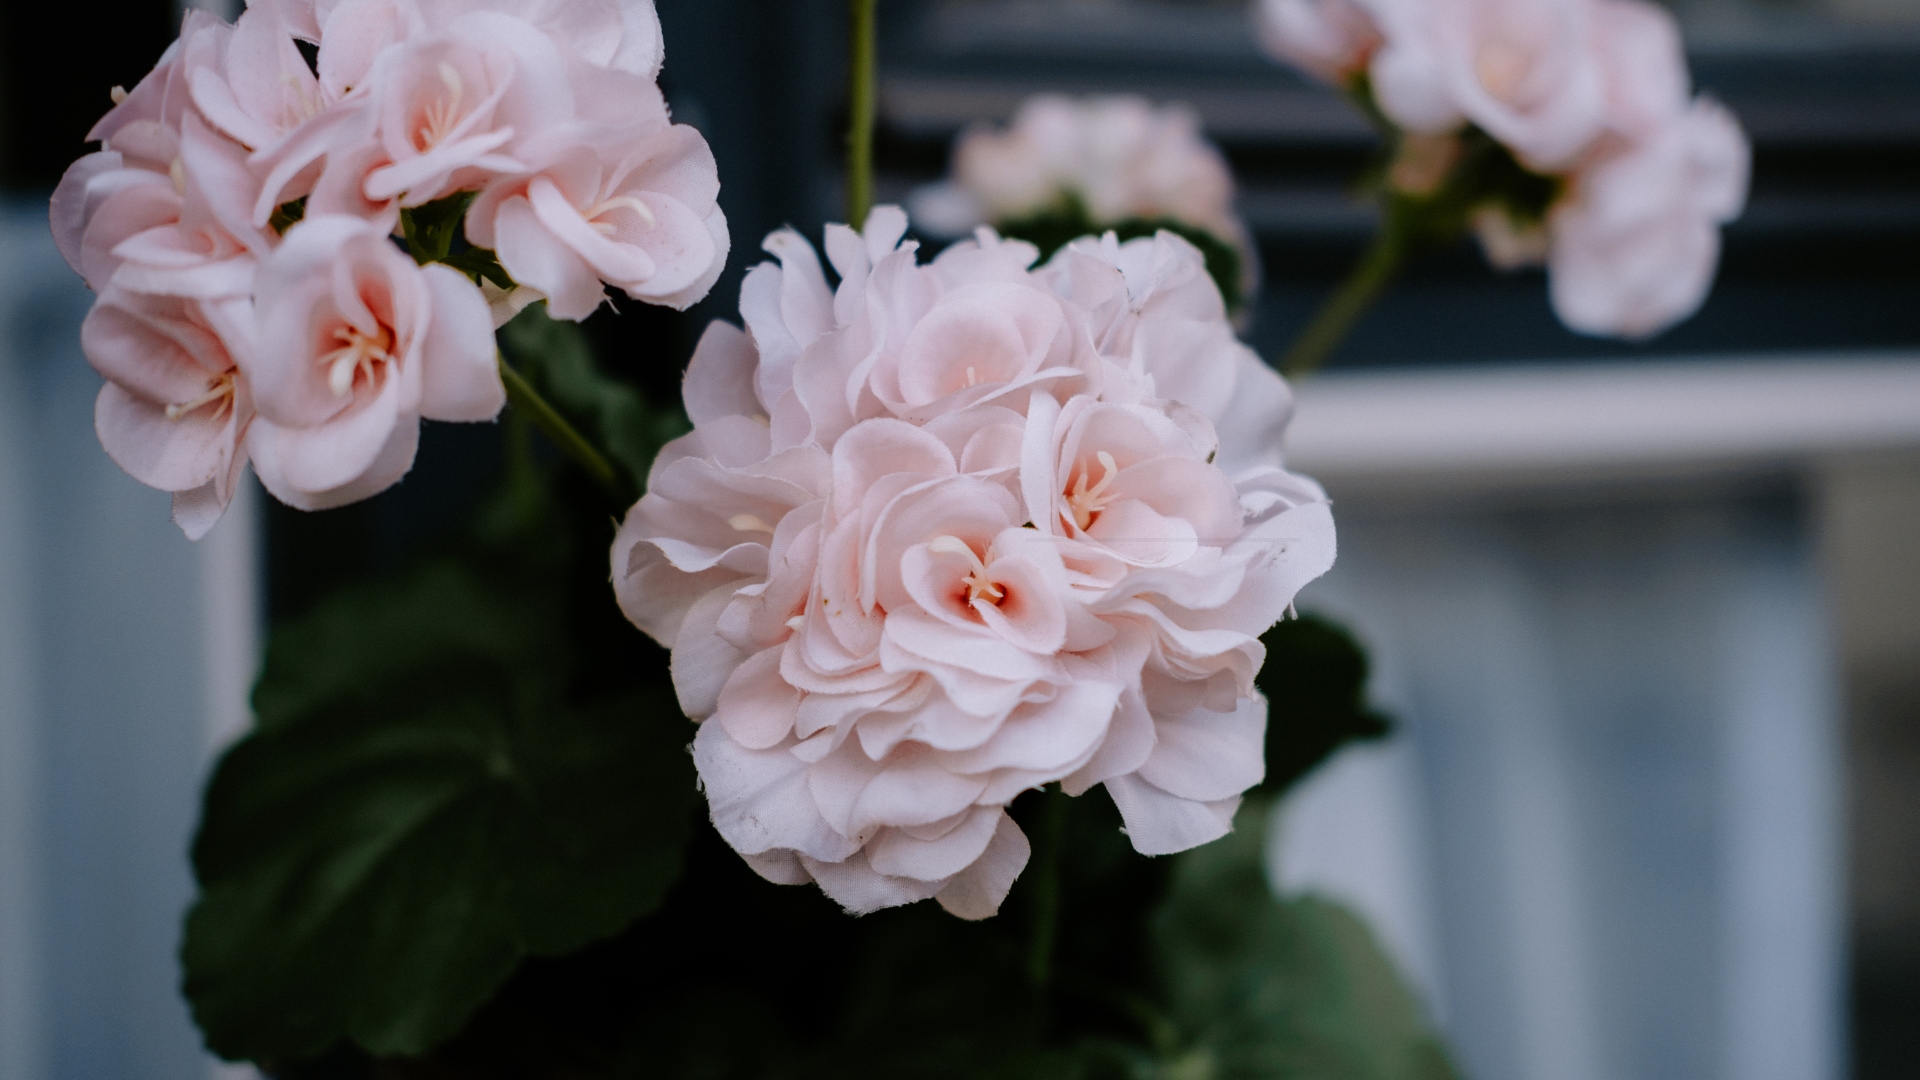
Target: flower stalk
x=1384, y=256
x=1044, y=872
x=528, y=402
x=862, y=48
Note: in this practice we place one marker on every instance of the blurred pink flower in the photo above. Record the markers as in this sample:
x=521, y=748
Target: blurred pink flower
x=1527, y=72
x=356, y=345
x=1121, y=156
x=1634, y=245
x=1592, y=92
x=937, y=539
x=1332, y=40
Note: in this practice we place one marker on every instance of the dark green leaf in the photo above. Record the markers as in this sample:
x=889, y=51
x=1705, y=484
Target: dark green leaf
x=431, y=229
x=287, y=214
x=616, y=417
x=480, y=264
x=420, y=809
x=1315, y=679
x=1269, y=988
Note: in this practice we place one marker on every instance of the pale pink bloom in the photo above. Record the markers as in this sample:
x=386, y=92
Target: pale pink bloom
x=1644, y=66
x=262, y=89
x=1527, y=72
x=455, y=105
x=210, y=249
x=355, y=345
x=1632, y=246
x=319, y=139
x=1331, y=40
x=101, y=201
x=163, y=97
x=404, y=109
x=1635, y=244
x=934, y=541
x=1153, y=313
x=353, y=35
x=175, y=410
x=621, y=35
x=899, y=339
x=136, y=180
x=640, y=214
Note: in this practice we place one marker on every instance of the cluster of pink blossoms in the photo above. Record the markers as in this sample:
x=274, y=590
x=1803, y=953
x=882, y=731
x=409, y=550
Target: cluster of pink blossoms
x=953, y=531
x=1595, y=92
x=239, y=224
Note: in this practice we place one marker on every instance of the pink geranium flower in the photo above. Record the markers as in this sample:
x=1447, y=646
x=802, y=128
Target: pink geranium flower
x=175, y=410
x=639, y=212
x=356, y=345
x=937, y=538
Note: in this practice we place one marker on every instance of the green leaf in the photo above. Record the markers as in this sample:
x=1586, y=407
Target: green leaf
x=431, y=229
x=557, y=359
x=1280, y=988
x=287, y=215
x=480, y=264
x=420, y=808
x=1315, y=680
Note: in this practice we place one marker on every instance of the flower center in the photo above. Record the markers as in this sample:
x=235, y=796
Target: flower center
x=307, y=104
x=358, y=353
x=979, y=583
x=219, y=394
x=1501, y=65
x=1085, y=503
x=438, y=120
x=618, y=202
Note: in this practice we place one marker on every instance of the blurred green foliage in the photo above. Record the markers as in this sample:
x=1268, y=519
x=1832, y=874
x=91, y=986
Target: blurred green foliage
x=422, y=806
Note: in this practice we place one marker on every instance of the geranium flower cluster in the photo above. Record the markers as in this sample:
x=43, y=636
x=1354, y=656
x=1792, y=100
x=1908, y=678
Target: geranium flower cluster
x=241, y=224
x=1119, y=156
x=952, y=531
x=1594, y=93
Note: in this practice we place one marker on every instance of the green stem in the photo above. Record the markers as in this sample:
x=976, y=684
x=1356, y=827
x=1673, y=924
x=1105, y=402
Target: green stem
x=1356, y=294
x=1044, y=866
x=861, y=62
x=530, y=404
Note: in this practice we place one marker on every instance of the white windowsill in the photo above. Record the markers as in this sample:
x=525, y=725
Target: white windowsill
x=1527, y=426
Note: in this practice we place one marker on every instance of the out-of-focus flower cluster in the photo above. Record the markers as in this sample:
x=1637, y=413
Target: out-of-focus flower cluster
x=1111, y=159
x=241, y=221
x=951, y=531
x=1593, y=93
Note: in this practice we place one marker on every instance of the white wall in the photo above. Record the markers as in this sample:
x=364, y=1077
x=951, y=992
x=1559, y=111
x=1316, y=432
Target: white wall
x=1607, y=840
x=124, y=654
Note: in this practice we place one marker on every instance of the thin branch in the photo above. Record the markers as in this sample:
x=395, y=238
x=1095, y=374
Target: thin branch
x=1356, y=294
x=861, y=62
x=528, y=401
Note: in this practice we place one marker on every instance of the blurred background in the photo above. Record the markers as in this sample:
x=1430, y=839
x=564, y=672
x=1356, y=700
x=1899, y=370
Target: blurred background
x=1648, y=615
